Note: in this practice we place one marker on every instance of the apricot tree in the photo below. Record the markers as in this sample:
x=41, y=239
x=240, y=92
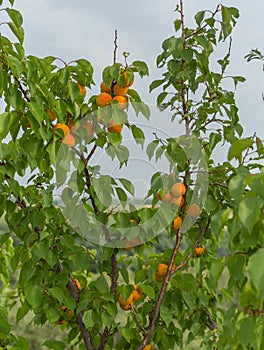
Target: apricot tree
x=84, y=257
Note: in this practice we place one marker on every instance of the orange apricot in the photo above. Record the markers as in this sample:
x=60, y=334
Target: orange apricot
x=137, y=293
x=178, y=201
x=166, y=197
x=69, y=140
x=178, y=189
x=199, y=251
x=122, y=102
x=89, y=129
x=114, y=127
x=63, y=127
x=120, y=90
x=177, y=222
x=193, y=210
x=104, y=88
x=76, y=283
x=125, y=304
x=82, y=89
x=103, y=99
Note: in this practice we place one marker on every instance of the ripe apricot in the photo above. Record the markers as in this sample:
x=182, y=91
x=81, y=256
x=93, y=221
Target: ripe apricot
x=177, y=222
x=114, y=127
x=133, y=221
x=137, y=293
x=178, y=201
x=147, y=347
x=82, y=89
x=178, y=189
x=103, y=99
x=104, y=88
x=166, y=197
x=125, y=304
x=199, y=251
x=76, y=283
x=122, y=102
x=63, y=127
x=193, y=210
x=120, y=90
x=69, y=140
x=162, y=269
x=89, y=129
x=51, y=115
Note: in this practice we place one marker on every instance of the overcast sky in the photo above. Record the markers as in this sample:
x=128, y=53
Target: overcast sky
x=82, y=28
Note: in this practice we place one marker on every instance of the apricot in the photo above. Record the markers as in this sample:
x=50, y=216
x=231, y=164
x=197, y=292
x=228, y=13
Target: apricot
x=103, y=99
x=177, y=222
x=114, y=127
x=166, y=197
x=63, y=127
x=147, y=347
x=69, y=140
x=193, y=210
x=122, y=102
x=178, y=189
x=76, y=283
x=120, y=90
x=199, y=251
x=137, y=293
x=82, y=89
x=125, y=304
x=178, y=201
x=89, y=128
x=104, y=88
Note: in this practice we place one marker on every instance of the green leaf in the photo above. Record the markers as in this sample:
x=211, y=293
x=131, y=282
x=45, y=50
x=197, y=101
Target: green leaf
x=177, y=24
x=148, y=290
x=155, y=84
x=55, y=345
x=141, y=67
x=128, y=186
x=15, y=16
x=256, y=271
x=217, y=268
x=33, y=295
x=246, y=332
x=88, y=319
x=18, y=32
x=57, y=293
x=121, y=194
x=52, y=315
x=22, y=311
x=235, y=265
x=238, y=146
x=199, y=17
x=138, y=135
x=102, y=285
x=125, y=275
x=166, y=314
x=151, y=148
x=249, y=211
x=236, y=187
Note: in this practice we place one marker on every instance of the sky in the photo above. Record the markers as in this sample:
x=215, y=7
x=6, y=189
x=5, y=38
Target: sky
x=85, y=29
x=73, y=29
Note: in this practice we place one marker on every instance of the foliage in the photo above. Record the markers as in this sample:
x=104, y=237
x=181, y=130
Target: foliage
x=74, y=257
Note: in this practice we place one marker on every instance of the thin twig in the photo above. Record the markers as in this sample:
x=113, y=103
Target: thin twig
x=115, y=46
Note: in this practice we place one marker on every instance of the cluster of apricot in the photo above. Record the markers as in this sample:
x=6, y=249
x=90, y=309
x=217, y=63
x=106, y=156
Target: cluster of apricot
x=134, y=296
x=114, y=94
